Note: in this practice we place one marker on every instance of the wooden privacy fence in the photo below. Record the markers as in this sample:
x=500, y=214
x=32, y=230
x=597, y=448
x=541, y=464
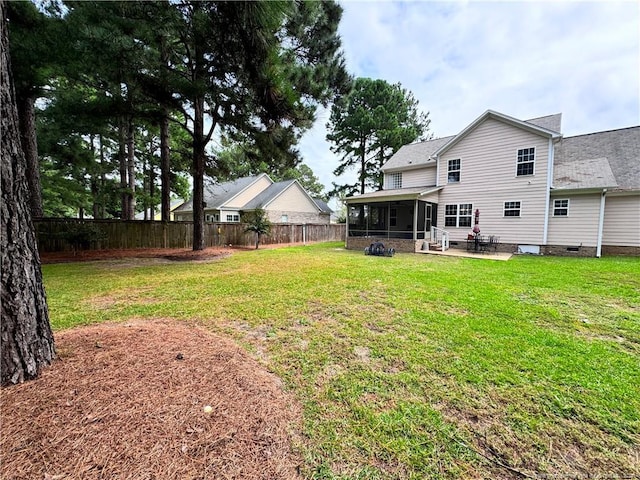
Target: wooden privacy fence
x=61, y=234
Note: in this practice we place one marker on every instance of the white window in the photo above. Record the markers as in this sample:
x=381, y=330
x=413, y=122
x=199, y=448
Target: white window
x=458, y=215
x=511, y=209
x=561, y=207
x=233, y=218
x=453, y=171
x=284, y=218
x=395, y=180
x=526, y=161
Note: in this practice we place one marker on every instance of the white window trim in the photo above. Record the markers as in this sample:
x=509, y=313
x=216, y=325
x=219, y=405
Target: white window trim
x=395, y=180
x=457, y=225
x=504, y=209
x=458, y=171
x=534, y=162
x=561, y=208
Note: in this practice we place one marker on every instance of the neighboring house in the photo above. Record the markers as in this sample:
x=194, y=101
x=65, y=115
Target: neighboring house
x=175, y=203
x=284, y=202
x=537, y=190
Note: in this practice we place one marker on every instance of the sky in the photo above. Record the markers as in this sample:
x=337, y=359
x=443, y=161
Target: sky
x=524, y=59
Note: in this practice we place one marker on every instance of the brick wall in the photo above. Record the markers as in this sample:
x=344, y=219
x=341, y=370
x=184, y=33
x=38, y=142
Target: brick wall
x=400, y=245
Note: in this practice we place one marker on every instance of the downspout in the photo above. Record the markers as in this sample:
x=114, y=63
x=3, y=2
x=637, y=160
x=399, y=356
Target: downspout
x=437, y=159
x=547, y=206
x=601, y=223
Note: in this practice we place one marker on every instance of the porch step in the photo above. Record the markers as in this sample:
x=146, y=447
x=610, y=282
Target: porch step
x=435, y=246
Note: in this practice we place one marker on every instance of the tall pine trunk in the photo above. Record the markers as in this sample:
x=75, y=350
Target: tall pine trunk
x=199, y=144
x=27, y=123
x=131, y=171
x=165, y=167
x=122, y=165
x=27, y=341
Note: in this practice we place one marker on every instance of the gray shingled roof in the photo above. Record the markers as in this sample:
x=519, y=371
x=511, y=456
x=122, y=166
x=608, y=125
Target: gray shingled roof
x=415, y=154
x=216, y=195
x=267, y=195
x=550, y=122
x=322, y=205
x=599, y=160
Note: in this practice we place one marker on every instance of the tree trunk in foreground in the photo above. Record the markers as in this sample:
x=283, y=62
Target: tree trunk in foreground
x=27, y=340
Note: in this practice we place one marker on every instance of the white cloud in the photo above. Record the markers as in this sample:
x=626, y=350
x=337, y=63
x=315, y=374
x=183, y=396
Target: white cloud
x=524, y=59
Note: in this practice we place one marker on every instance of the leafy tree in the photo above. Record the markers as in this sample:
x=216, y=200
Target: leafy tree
x=368, y=126
x=257, y=221
x=26, y=338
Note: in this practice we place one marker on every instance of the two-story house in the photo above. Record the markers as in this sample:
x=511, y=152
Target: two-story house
x=521, y=181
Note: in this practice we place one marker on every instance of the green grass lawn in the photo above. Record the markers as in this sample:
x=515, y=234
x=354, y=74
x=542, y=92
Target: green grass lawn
x=415, y=366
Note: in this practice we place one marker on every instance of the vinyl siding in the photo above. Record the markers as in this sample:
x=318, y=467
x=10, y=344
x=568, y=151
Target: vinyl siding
x=580, y=227
x=251, y=192
x=622, y=221
x=488, y=178
x=415, y=178
x=293, y=199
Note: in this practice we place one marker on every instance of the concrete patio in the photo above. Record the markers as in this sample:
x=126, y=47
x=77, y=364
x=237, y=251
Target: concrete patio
x=456, y=252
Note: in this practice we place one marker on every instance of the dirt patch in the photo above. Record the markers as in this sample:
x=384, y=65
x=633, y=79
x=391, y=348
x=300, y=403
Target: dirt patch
x=169, y=254
x=128, y=401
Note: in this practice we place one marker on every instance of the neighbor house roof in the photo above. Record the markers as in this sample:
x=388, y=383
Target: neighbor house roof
x=415, y=154
x=267, y=195
x=608, y=159
x=217, y=195
x=322, y=205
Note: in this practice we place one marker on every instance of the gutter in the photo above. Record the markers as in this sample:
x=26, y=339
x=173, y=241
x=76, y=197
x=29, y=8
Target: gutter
x=601, y=223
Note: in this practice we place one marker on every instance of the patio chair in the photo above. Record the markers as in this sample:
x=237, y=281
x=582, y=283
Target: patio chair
x=493, y=243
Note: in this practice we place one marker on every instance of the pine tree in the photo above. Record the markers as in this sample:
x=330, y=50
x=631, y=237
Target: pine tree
x=368, y=126
x=26, y=339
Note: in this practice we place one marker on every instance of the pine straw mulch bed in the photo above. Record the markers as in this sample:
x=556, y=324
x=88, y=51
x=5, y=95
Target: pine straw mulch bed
x=126, y=401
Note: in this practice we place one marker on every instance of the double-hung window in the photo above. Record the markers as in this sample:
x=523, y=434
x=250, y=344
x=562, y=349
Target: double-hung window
x=512, y=209
x=453, y=171
x=561, y=207
x=233, y=218
x=395, y=180
x=526, y=161
x=458, y=215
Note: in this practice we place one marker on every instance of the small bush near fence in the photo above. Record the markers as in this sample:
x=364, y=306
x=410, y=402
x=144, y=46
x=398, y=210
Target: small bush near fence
x=56, y=234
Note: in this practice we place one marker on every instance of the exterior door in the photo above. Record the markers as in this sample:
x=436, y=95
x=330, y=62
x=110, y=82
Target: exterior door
x=427, y=220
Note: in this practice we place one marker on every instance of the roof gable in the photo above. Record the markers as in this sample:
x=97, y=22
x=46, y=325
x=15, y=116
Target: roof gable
x=268, y=195
x=490, y=114
x=218, y=195
x=274, y=191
